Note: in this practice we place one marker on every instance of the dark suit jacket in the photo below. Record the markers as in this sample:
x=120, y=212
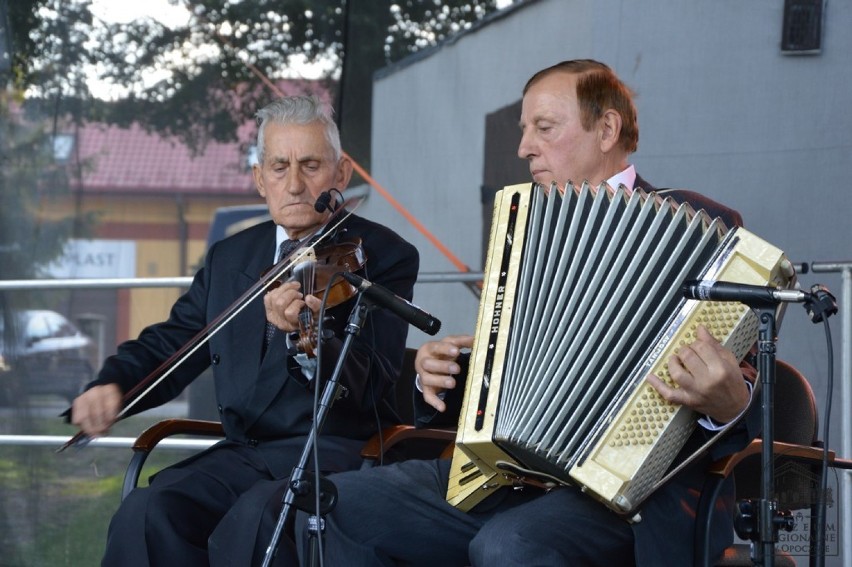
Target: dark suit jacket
x=664, y=536
x=261, y=400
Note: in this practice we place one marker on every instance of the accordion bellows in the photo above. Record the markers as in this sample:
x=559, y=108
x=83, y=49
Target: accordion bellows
x=582, y=299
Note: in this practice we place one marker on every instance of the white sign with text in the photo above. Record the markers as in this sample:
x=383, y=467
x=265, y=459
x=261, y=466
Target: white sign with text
x=95, y=259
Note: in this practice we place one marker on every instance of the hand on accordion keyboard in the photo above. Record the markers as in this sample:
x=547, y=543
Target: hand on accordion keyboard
x=708, y=379
x=436, y=365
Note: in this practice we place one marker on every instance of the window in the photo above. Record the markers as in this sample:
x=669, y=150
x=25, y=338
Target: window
x=63, y=144
x=802, y=32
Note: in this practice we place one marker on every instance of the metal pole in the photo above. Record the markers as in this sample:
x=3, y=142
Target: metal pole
x=846, y=380
x=54, y=441
x=763, y=548
x=180, y=281
x=845, y=269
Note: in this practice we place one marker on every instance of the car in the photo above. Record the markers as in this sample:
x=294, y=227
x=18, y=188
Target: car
x=43, y=353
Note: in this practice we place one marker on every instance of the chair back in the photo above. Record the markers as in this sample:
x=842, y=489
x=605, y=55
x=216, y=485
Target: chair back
x=404, y=388
x=796, y=418
x=796, y=422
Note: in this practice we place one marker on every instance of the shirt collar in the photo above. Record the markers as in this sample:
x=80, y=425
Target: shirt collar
x=281, y=236
x=627, y=177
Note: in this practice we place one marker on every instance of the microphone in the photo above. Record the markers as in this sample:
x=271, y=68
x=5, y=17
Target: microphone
x=744, y=293
x=328, y=201
x=402, y=308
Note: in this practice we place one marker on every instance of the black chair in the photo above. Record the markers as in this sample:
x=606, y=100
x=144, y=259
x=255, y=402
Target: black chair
x=151, y=437
x=400, y=442
x=796, y=447
x=394, y=443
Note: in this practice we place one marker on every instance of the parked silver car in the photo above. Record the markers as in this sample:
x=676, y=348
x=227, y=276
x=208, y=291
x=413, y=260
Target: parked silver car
x=43, y=353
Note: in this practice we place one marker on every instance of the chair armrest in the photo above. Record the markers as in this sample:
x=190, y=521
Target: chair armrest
x=149, y=439
x=391, y=436
x=725, y=466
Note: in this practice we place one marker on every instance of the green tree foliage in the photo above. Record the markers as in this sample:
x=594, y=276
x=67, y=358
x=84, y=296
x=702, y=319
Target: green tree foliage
x=29, y=175
x=196, y=80
x=383, y=32
x=44, y=38
x=47, y=41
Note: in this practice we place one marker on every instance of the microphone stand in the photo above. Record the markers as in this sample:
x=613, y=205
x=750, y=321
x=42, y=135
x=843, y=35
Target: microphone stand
x=819, y=304
x=761, y=522
x=769, y=519
x=299, y=486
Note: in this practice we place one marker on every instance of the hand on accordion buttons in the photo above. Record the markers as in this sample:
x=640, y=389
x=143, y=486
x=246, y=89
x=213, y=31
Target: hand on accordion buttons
x=436, y=364
x=708, y=379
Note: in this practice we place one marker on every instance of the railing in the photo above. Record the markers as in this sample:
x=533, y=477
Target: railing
x=124, y=283
x=121, y=283
x=57, y=441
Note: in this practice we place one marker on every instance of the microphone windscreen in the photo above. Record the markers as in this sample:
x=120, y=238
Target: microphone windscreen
x=323, y=202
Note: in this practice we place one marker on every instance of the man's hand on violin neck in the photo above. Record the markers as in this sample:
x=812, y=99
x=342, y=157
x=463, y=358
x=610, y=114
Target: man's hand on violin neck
x=284, y=304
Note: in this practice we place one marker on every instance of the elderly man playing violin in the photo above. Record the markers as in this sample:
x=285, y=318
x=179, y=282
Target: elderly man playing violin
x=264, y=385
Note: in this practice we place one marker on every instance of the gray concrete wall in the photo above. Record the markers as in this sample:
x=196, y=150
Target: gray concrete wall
x=722, y=111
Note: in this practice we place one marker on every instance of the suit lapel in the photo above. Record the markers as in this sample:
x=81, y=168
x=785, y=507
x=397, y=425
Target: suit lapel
x=271, y=378
x=253, y=380
x=271, y=372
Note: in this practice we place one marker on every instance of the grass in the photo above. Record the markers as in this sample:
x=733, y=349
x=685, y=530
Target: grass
x=55, y=508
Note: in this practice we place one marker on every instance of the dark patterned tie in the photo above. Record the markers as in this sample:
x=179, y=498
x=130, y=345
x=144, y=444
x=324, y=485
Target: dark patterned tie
x=284, y=250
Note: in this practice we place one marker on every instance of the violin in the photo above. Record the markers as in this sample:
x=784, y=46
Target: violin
x=314, y=270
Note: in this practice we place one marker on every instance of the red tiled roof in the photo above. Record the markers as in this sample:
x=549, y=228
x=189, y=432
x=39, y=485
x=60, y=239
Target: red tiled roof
x=131, y=160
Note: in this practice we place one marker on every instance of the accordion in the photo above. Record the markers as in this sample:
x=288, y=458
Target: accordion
x=582, y=299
